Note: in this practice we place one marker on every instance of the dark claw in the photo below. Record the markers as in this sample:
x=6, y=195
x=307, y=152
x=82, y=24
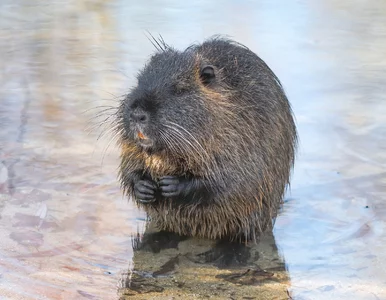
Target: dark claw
x=171, y=194
x=169, y=180
x=144, y=191
x=143, y=196
x=148, y=184
x=143, y=201
x=169, y=186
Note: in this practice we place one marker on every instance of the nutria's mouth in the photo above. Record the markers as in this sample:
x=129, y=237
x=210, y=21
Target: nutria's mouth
x=141, y=136
x=147, y=143
x=143, y=141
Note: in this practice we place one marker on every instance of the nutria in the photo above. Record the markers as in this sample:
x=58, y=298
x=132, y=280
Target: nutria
x=208, y=141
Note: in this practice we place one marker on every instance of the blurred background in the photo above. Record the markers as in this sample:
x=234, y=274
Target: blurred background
x=65, y=227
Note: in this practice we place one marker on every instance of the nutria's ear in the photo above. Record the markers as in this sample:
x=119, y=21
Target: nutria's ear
x=207, y=74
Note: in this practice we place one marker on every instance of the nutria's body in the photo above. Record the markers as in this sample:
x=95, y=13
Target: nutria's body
x=208, y=141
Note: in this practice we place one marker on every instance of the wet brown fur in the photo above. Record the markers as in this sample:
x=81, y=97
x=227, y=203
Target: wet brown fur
x=246, y=153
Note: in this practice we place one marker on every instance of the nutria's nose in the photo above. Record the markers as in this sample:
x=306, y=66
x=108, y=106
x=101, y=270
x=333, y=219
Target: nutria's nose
x=139, y=116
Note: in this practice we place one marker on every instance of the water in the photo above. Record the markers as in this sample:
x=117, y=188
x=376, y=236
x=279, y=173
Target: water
x=65, y=228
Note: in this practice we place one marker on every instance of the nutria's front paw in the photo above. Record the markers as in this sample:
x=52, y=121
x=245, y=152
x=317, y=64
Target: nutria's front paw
x=169, y=186
x=144, y=191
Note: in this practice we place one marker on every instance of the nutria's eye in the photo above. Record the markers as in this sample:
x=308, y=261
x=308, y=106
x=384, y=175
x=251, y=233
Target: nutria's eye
x=207, y=74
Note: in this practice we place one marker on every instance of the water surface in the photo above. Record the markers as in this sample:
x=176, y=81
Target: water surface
x=65, y=228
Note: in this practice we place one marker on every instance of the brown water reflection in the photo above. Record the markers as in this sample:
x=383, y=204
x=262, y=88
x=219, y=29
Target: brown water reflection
x=65, y=228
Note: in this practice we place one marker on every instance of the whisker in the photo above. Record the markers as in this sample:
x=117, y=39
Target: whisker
x=210, y=166
x=184, y=139
x=154, y=42
x=170, y=138
x=113, y=138
x=194, y=139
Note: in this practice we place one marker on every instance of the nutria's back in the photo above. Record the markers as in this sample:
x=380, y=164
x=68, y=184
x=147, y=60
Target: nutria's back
x=208, y=141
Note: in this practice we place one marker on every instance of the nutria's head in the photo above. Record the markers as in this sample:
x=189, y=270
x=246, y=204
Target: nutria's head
x=168, y=111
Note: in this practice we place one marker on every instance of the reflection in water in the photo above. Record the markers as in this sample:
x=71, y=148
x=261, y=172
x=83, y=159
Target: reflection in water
x=65, y=228
x=165, y=264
